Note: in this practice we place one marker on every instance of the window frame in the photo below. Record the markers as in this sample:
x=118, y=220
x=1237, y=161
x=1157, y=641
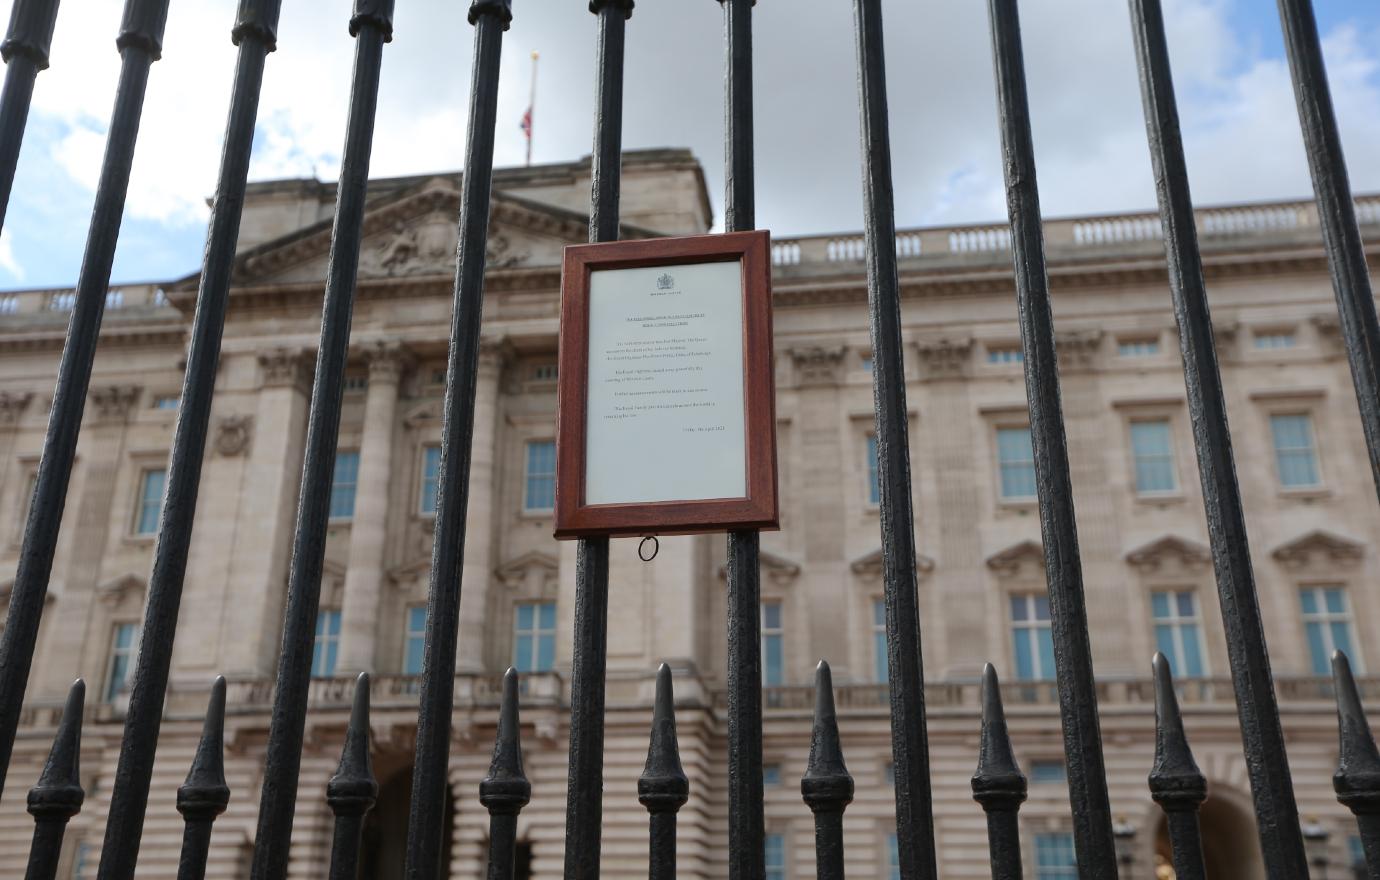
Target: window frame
x=872, y=472
x=1326, y=620
x=130, y=652
x=537, y=633
x=1310, y=416
x=422, y=494
x=1170, y=456
x=141, y=502
x=1176, y=622
x=1034, y=624
x=354, y=487
x=777, y=632
x=327, y=643
x=1002, y=498
x=527, y=446
x=881, y=659
x=409, y=635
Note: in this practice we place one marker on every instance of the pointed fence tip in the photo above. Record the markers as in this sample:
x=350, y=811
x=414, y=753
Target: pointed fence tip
x=1176, y=783
x=1357, y=780
x=998, y=783
x=58, y=794
x=353, y=790
x=826, y=786
x=663, y=786
x=506, y=789
x=205, y=795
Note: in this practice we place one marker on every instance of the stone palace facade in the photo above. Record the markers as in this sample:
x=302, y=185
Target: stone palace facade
x=1301, y=460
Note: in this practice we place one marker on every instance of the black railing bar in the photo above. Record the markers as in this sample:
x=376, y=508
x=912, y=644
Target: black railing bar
x=490, y=18
x=663, y=787
x=584, y=799
x=746, y=817
x=998, y=783
x=906, y=677
x=25, y=52
x=352, y=791
x=1262, y=737
x=1357, y=780
x=204, y=795
x=505, y=790
x=58, y=794
x=1346, y=256
x=1092, y=818
x=827, y=786
x=255, y=32
x=140, y=44
x=1176, y=783
x=372, y=25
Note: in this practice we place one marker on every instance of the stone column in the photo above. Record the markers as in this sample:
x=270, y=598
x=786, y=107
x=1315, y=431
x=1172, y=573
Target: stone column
x=252, y=618
x=368, y=531
x=478, y=570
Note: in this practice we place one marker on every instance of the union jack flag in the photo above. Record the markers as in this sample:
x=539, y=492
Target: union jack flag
x=527, y=123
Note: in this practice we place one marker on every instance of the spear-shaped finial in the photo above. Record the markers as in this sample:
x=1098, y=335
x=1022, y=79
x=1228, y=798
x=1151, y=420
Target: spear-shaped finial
x=58, y=794
x=826, y=785
x=1357, y=780
x=506, y=789
x=205, y=795
x=1176, y=783
x=352, y=790
x=999, y=785
x=663, y=786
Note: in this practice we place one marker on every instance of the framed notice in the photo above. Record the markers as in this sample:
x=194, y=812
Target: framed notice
x=666, y=420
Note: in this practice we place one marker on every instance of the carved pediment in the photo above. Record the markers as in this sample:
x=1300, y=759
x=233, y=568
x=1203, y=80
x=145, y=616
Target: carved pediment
x=533, y=569
x=413, y=233
x=869, y=566
x=944, y=357
x=117, y=589
x=780, y=569
x=1319, y=548
x=1026, y=558
x=1171, y=550
x=1077, y=349
x=7, y=589
x=407, y=574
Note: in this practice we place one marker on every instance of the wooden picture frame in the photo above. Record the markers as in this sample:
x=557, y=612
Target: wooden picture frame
x=679, y=410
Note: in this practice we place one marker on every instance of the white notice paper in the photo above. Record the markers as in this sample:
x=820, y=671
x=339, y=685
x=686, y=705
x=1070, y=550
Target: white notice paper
x=664, y=416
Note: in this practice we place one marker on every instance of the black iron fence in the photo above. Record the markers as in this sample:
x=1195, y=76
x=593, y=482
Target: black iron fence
x=827, y=788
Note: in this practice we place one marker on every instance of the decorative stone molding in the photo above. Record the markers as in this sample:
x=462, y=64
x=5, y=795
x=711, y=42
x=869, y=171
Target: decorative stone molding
x=287, y=367
x=115, y=403
x=233, y=434
x=405, y=575
x=818, y=365
x=944, y=357
x=1167, y=551
x=494, y=356
x=781, y=570
x=1077, y=349
x=387, y=361
x=12, y=404
x=534, y=573
x=1329, y=329
x=113, y=592
x=1025, y=558
x=1319, y=548
x=868, y=567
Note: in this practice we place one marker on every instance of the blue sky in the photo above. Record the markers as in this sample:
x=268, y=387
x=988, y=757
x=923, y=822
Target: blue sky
x=1228, y=59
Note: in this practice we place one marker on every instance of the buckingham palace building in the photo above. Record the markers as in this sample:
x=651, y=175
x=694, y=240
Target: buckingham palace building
x=1301, y=459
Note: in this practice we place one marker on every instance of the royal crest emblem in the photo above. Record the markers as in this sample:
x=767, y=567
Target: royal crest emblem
x=665, y=282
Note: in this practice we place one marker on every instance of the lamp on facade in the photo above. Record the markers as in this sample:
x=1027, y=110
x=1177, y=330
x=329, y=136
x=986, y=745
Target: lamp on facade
x=1315, y=839
x=1125, y=835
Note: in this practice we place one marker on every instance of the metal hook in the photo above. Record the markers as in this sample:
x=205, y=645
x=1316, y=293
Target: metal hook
x=656, y=548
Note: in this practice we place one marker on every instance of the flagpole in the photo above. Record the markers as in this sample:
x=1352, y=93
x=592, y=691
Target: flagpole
x=532, y=107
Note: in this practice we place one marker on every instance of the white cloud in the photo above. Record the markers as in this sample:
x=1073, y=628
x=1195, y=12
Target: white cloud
x=7, y=260
x=1085, y=102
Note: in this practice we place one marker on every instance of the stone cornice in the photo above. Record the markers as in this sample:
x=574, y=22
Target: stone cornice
x=113, y=404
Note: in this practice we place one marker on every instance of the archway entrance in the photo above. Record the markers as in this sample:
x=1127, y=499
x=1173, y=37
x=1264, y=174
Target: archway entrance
x=385, y=828
x=1231, y=849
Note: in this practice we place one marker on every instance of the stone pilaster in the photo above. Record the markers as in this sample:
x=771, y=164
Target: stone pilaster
x=477, y=574
x=364, y=576
x=252, y=623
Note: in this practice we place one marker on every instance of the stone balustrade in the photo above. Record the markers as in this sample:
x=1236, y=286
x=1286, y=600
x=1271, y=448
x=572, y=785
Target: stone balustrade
x=61, y=300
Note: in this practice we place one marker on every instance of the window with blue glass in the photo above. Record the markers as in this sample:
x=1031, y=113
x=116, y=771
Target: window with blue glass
x=776, y=856
x=1005, y=354
x=879, y=658
x=1327, y=623
x=431, y=472
x=150, y=501
x=1178, y=631
x=893, y=858
x=874, y=488
x=344, y=480
x=771, y=774
x=327, y=645
x=1296, y=454
x=414, y=641
x=124, y=643
x=1048, y=772
x=1032, y=638
x=534, y=636
x=540, y=490
x=1016, y=461
x=1275, y=339
x=1152, y=447
x=1138, y=347
x=1356, y=855
x=773, y=645
x=1054, y=857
